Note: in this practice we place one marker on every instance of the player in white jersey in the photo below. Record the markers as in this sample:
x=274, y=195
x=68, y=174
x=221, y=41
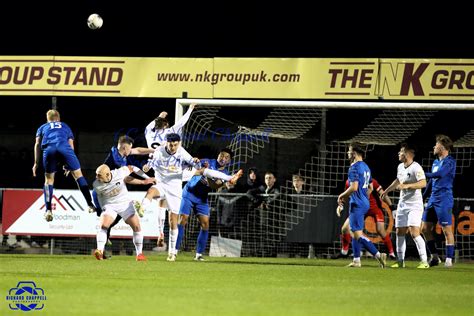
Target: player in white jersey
x=410, y=180
x=113, y=196
x=168, y=162
x=155, y=133
x=156, y=130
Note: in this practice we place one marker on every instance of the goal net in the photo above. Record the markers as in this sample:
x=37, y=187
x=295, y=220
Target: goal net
x=308, y=140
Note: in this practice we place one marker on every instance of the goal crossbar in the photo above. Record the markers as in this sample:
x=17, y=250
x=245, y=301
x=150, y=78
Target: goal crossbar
x=329, y=104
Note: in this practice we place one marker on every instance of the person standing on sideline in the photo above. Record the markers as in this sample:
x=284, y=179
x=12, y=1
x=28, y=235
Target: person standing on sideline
x=357, y=199
x=114, y=199
x=56, y=140
x=440, y=205
x=410, y=180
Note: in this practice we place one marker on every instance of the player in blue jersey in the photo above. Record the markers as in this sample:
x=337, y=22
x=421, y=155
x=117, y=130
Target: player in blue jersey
x=440, y=204
x=194, y=197
x=56, y=140
x=357, y=198
x=119, y=156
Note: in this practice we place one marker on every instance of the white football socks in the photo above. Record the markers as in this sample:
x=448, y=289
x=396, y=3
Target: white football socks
x=138, y=242
x=172, y=241
x=421, y=246
x=161, y=220
x=401, y=247
x=101, y=238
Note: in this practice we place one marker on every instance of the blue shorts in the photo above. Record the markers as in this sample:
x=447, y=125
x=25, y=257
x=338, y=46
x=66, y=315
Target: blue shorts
x=443, y=214
x=199, y=208
x=357, y=218
x=64, y=154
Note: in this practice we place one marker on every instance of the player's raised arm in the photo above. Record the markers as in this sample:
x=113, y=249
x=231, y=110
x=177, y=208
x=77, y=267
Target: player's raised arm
x=134, y=181
x=141, y=151
x=139, y=172
x=189, y=160
x=178, y=126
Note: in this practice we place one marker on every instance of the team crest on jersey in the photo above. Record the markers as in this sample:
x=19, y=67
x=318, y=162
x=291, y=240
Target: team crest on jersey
x=172, y=168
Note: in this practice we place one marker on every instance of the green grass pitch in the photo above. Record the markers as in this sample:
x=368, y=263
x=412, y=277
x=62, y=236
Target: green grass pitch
x=81, y=285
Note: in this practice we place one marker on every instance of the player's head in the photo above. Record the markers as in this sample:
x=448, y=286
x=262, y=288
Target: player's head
x=298, y=181
x=406, y=153
x=103, y=174
x=161, y=123
x=355, y=149
x=173, y=141
x=53, y=116
x=270, y=179
x=125, y=144
x=224, y=157
x=443, y=144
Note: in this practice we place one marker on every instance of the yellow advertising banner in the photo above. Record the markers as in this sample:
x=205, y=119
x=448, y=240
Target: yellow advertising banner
x=295, y=78
x=249, y=78
x=103, y=76
x=423, y=79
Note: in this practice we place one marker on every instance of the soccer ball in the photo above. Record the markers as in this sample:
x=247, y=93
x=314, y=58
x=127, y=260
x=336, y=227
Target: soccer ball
x=94, y=21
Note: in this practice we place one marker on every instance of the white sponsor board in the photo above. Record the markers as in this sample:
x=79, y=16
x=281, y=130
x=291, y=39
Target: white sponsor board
x=71, y=218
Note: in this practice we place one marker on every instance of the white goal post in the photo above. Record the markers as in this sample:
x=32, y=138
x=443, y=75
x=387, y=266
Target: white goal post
x=323, y=104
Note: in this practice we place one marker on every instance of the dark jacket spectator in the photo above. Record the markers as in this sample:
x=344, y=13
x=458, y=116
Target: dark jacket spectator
x=253, y=180
x=269, y=188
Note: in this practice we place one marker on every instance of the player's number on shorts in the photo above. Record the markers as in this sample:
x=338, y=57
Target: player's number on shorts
x=55, y=125
x=366, y=179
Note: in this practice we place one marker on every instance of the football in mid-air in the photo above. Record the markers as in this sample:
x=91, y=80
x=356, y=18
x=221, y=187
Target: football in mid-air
x=94, y=21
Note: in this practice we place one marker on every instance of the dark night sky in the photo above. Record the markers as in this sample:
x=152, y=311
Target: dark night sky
x=160, y=29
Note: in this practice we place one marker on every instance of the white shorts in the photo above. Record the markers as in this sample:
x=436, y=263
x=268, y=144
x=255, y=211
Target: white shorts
x=125, y=210
x=172, y=195
x=409, y=215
